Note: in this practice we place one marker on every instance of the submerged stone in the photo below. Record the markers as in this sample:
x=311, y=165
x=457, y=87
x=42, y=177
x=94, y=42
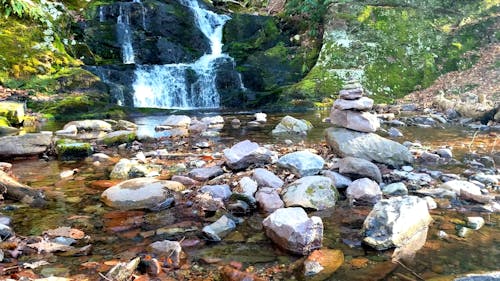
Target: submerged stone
x=90, y=125
x=291, y=125
x=141, y=193
x=71, y=150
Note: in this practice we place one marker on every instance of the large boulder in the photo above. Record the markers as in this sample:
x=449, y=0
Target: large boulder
x=90, y=125
x=360, y=167
x=369, y=146
x=355, y=120
x=311, y=192
x=291, y=125
x=302, y=163
x=177, y=121
x=25, y=145
x=141, y=193
x=294, y=231
x=246, y=153
x=395, y=221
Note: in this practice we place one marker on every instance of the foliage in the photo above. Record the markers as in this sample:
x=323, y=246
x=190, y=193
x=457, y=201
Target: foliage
x=21, y=9
x=312, y=11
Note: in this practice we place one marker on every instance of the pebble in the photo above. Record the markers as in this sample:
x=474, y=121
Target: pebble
x=475, y=223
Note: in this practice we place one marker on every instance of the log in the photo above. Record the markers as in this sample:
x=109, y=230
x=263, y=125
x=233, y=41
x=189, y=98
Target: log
x=14, y=190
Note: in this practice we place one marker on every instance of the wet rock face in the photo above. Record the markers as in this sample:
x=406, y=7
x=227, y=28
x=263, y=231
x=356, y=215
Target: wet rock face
x=294, y=231
x=395, y=221
x=141, y=193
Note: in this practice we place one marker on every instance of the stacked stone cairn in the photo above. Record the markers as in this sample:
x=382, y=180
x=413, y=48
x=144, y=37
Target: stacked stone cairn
x=351, y=110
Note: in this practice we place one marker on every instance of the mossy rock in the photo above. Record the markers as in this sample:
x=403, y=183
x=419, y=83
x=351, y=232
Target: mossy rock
x=73, y=150
x=5, y=128
x=119, y=137
x=12, y=111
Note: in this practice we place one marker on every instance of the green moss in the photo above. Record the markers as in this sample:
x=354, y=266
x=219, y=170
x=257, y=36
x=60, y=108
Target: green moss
x=4, y=122
x=71, y=150
x=119, y=137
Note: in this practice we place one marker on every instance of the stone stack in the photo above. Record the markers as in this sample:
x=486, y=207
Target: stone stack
x=351, y=110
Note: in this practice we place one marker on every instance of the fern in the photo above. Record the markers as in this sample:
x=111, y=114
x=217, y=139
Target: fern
x=21, y=9
x=311, y=10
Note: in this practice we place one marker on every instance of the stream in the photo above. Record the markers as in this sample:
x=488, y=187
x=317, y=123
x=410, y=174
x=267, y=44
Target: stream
x=123, y=235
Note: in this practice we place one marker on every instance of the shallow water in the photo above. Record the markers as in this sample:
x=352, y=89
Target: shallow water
x=124, y=235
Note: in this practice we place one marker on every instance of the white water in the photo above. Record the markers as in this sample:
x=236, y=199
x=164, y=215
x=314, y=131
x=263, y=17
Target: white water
x=124, y=34
x=167, y=86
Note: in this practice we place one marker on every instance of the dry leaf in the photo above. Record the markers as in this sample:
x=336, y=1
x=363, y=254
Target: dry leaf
x=66, y=231
x=49, y=247
x=35, y=264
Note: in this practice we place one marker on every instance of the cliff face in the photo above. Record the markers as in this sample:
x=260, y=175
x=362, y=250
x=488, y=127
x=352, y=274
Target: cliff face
x=396, y=47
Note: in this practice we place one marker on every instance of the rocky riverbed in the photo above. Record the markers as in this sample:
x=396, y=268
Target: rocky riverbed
x=254, y=197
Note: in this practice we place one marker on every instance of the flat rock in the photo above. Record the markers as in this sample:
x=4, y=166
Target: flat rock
x=322, y=263
x=360, y=104
x=302, y=163
x=363, y=192
x=267, y=178
x=293, y=230
x=355, y=120
x=395, y=221
x=351, y=94
x=118, y=137
x=141, y=193
x=461, y=188
x=90, y=125
x=246, y=153
x=204, y=174
x=311, y=192
x=360, y=167
x=291, y=125
x=395, y=189
x=177, y=121
x=219, y=229
x=368, y=146
x=25, y=145
x=488, y=276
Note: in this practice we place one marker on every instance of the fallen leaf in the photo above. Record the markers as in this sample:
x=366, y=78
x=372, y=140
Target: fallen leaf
x=35, y=264
x=49, y=247
x=66, y=231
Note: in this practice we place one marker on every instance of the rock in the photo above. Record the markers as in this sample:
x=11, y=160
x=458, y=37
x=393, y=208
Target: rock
x=395, y=189
x=168, y=249
x=445, y=153
x=217, y=191
x=475, y=222
x=351, y=94
x=461, y=188
x=394, y=133
x=118, y=137
x=354, y=120
x=431, y=203
x=260, y=117
x=302, y=163
x=487, y=179
x=5, y=167
x=339, y=181
x=248, y=187
x=72, y=150
x=125, y=125
x=177, y=121
x=322, y=263
x=14, y=190
x=71, y=130
x=360, y=167
x=121, y=169
x=101, y=157
x=25, y=145
x=265, y=178
x=293, y=230
x=219, y=229
x=213, y=121
x=291, y=125
x=122, y=271
x=490, y=276
x=429, y=158
x=361, y=104
x=368, y=146
x=5, y=232
x=363, y=191
x=141, y=193
x=204, y=174
x=90, y=125
x=12, y=111
x=311, y=192
x=6, y=130
x=197, y=126
x=186, y=181
x=395, y=221
x=246, y=153
x=235, y=123
x=268, y=199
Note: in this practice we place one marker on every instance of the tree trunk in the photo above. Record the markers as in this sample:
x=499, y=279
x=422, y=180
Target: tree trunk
x=17, y=191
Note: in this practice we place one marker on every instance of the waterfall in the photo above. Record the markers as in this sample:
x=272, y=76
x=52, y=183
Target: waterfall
x=101, y=14
x=125, y=34
x=185, y=85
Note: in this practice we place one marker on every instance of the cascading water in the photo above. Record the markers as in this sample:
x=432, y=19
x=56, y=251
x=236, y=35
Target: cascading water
x=125, y=34
x=185, y=85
